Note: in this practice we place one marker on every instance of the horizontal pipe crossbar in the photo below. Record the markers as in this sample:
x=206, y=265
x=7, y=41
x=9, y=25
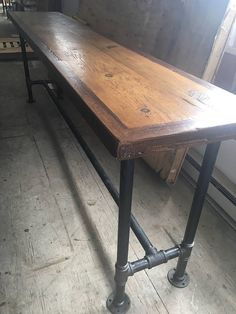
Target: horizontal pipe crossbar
x=155, y=259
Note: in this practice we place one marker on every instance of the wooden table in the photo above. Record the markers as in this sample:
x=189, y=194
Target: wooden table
x=137, y=105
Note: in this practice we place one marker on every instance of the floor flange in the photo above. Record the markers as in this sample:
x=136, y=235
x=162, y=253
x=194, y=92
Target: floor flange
x=120, y=308
x=178, y=283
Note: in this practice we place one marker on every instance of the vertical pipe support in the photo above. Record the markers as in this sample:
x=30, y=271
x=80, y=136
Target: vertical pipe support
x=118, y=302
x=26, y=69
x=178, y=276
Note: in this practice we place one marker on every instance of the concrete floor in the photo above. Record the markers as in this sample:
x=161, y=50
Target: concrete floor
x=58, y=224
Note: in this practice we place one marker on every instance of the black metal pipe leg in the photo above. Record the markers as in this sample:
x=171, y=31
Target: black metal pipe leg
x=118, y=302
x=178, y=276
x=26, y=69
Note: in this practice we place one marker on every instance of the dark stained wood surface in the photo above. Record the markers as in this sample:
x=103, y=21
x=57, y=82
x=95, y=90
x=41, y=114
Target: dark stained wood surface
x=137, y=105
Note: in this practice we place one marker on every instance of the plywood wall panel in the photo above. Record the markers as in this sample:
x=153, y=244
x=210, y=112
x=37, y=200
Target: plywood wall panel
x=48, y=5
x=180, y=32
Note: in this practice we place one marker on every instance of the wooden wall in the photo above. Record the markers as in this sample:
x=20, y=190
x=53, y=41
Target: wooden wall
x=48, y=5
x=180, y=32
x=70, y=7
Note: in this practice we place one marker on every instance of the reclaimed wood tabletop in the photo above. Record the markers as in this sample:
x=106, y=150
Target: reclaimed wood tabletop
x=136, y=104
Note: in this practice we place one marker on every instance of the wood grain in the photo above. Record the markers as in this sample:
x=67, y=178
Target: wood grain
x=180, y=32
x=137, y=105
x=167, y=163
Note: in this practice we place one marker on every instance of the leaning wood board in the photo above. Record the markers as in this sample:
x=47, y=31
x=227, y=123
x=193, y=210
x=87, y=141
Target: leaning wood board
x=136, y=104
x=167, y=163
x=11, y=45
